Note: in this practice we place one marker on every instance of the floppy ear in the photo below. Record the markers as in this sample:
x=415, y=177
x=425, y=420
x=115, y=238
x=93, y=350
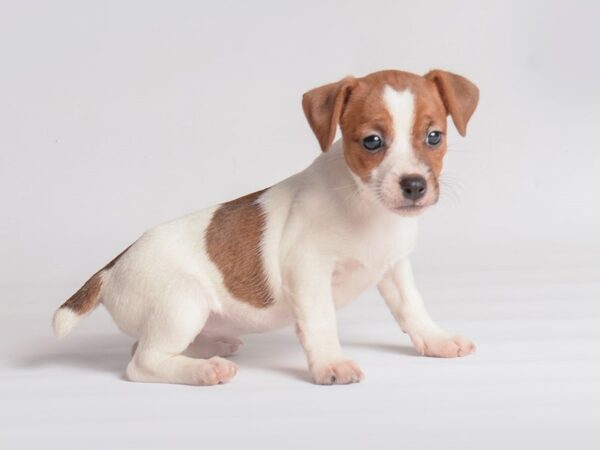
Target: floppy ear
x=323, y=107
x=459, y=96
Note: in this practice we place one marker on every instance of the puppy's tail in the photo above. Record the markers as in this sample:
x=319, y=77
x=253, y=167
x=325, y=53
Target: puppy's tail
x=81, y=303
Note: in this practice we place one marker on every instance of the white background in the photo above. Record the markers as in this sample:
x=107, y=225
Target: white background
x=118, y=115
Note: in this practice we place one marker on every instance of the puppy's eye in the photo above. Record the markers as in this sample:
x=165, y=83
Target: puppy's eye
x=372, y=143
x=434, y=138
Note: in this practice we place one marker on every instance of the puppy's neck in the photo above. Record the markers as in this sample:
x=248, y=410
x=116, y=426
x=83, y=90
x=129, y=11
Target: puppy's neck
x=338, y=180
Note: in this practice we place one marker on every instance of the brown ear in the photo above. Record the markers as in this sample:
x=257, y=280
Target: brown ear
x=459, y=95
x=323, y=107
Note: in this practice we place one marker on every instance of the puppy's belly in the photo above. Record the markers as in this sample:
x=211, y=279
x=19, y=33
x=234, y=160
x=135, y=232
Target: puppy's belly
x=349, y=280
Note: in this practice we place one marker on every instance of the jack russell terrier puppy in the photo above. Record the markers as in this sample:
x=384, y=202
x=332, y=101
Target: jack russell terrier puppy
x=297, y=251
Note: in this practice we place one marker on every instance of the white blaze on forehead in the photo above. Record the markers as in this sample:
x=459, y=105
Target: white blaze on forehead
x=401, y=158
x=401, y=106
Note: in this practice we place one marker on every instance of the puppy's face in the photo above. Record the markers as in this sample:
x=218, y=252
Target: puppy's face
x=394, y=130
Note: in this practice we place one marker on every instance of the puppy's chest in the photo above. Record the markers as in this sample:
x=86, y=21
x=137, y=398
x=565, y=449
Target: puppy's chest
x=351, y=277
x=375, y=246
x=368, y=264
x=370, y=254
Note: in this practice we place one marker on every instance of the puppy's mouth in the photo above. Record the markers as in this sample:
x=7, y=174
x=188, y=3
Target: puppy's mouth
x=409, y=210
x=416, y=207
x=413, y=209
x=410, y=207
x=404, y=209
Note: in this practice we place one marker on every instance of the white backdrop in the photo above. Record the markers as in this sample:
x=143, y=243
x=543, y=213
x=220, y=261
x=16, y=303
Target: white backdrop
x=116, y=116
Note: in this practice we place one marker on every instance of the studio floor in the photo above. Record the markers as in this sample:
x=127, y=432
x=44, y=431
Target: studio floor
x=533, y=383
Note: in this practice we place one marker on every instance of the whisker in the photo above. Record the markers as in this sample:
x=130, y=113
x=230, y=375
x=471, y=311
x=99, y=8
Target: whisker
x=450, y=190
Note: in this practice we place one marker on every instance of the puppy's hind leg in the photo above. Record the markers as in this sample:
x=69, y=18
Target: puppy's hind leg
x=168, y=332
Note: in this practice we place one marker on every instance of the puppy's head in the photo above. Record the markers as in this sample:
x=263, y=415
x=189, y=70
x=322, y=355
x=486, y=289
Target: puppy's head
x=393, y=130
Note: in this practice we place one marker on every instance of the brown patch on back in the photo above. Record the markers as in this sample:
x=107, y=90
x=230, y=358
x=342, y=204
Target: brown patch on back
x=233, y=243
x=86, y=298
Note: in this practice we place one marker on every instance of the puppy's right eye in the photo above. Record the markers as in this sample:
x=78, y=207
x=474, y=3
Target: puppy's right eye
x=372, y=143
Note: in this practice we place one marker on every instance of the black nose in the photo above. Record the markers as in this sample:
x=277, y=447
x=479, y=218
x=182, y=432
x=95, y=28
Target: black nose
x=413, y=186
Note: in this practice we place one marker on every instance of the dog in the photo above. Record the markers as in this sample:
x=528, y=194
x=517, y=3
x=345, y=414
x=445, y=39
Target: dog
x=297, y=251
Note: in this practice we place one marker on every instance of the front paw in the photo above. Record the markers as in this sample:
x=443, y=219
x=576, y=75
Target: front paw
x=442, y=345
x=339, y=372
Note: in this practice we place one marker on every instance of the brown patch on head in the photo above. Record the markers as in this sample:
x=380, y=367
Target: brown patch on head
x=323, y=107
x=430, y=115
x=366, y=113
x=233, y=241
x=459, y=96
x=358, y=106
x=439, y=95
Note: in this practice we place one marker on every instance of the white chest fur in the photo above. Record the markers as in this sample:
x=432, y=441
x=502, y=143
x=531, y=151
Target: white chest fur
x=321, y=211
x=366, y=262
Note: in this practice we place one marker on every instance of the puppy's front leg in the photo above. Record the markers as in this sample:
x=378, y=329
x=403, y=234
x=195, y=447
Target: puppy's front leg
x=316, y=326
x=402, y=297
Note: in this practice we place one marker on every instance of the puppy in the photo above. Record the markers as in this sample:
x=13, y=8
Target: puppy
x=295, y=252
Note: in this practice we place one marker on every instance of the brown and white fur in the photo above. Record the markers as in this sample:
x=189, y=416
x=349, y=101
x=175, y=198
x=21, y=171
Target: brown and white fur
x=297, y=251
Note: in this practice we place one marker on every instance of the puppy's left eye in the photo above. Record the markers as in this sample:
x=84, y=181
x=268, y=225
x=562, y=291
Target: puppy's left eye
x=372, y=143
x=434, y=138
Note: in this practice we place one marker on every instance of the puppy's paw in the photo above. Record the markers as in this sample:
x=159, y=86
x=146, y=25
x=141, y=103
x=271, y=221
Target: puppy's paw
x=217, y=371
x=338, y=372
x=442, y=345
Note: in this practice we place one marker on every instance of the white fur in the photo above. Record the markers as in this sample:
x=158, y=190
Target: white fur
x=63, y=322
x=327, y=239
x=400, y=159
x=401, y=106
